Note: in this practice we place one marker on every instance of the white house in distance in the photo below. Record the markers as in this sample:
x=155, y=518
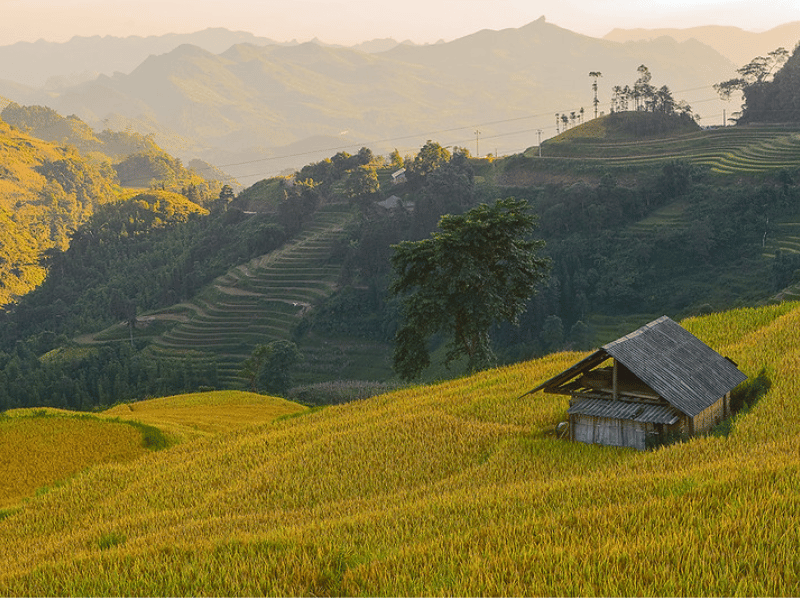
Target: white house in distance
x=399, y=176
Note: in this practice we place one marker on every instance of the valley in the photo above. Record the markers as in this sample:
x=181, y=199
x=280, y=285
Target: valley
x=323, y=288
x=202, y=386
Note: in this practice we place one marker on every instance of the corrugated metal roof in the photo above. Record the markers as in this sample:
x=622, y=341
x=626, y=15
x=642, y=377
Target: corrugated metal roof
x=682, y=369
x=670, y=360
x=631, y=411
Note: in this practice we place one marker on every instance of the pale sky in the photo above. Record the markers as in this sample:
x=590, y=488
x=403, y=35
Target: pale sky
x=352, y=21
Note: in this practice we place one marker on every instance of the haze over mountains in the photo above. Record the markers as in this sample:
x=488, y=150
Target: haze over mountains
x=736, y=44
x=256, y=107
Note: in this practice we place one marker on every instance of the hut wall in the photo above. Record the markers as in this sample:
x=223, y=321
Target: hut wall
x=608, y=432
x=711, y=416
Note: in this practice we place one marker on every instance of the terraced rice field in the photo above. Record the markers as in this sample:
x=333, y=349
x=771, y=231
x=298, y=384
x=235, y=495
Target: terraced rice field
x=671, y=215
x=784, y=237
x=259, y=301
x=729, y=150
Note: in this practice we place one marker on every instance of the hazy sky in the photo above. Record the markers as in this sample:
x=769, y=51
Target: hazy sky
x=353, y=21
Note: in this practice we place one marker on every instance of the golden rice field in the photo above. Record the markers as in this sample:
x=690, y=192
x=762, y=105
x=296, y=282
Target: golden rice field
x=192, y=415
x=40, y=448
x=455, y=489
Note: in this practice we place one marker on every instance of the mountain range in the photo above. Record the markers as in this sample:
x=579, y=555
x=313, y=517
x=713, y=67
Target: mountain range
x=736, y=44
x=255, y=107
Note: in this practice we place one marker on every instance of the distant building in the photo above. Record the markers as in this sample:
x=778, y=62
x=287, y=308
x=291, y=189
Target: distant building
x=391, y=203
x=399, y=176
x=661, y=380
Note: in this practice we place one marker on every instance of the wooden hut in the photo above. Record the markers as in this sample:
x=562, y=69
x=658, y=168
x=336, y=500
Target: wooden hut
x=661, y=379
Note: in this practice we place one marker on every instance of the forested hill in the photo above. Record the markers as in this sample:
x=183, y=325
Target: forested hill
x=679, y=223
x=773, y=99
x=46, y=190
x=54, y=174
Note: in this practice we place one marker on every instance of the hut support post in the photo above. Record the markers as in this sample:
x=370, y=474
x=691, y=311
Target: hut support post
x=615, y=385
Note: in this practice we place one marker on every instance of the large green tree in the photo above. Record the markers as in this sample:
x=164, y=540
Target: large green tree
x=480, y=268
x=270, y=365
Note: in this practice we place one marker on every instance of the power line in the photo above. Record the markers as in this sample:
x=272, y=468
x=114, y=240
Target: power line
x=419, y=135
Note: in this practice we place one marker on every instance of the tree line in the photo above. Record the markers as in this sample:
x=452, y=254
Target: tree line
x=151, y=252
x=642, y=95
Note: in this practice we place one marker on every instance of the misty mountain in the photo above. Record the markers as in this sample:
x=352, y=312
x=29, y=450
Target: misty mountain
x=238, y=108
x=736, y=44
x=56, y=65
x=61, y=64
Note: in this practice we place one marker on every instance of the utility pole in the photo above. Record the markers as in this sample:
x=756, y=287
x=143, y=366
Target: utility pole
x=539, y=133
x=477, y=142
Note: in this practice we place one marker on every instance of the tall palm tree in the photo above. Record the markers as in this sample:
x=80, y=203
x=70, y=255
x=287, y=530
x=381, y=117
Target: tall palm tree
x=595, y=75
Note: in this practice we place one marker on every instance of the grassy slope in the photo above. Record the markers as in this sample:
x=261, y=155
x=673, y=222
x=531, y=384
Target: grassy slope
x=41, y=447
x=197, y=415
x=454, y=489
x=596, y=147
x=261, y=301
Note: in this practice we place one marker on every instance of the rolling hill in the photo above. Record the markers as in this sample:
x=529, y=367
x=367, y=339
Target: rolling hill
x=307, y=288
x=454, y=489
x=41, y=448
x=46, y=189
x=55, y=65
x=56, y=172
x=742, y=150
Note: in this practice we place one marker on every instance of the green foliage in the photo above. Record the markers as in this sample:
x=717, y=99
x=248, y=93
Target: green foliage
x=263, y=196
x=480, y=268
x=146, y=169
x=431, y=157
x=298, y=206
x=339, y=392
x=670, y=241
x=138, y=161
x=111, y=539
x=152, y=437
x=270, y=366
x=149, y=252
x=331, y=170
x=552, y=333
x=644, y=97
x=46, y=124
x=361, y=312
x=361, y=184
x=100, y=376
x=769, y=85
x=785, y=270
x=45, y=192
